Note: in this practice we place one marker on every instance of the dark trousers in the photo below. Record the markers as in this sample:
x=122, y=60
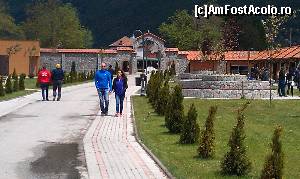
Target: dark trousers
x=290, y=86
x=57, y=84
x=44, y=87
x=281, y=88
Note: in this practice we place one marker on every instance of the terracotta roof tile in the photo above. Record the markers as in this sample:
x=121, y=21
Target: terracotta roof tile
x=150, y=34
x=194, y=55
x=171, y=50
x=123, y=42
x=124, y=49
x=294, y=53
x=183, y=52
x=240, y=55
x=49, y=50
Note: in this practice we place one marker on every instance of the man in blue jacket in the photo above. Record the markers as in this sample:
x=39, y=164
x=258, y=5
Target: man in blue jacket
x=103, y=84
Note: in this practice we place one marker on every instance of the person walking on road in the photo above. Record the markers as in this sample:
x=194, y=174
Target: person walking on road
x=281, y=83
x=44, y=79
x=119, y=87
x=103, y=83
x=57, y=79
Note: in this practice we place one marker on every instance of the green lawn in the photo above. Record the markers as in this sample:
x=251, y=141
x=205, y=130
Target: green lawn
x=182, y=160
x=30, y=83
x=15, y=95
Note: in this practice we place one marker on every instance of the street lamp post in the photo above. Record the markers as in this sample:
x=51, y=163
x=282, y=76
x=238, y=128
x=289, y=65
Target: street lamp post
x=143, y=86
x=249, y=69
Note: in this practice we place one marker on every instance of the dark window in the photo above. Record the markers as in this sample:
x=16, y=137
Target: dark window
x=4, y=65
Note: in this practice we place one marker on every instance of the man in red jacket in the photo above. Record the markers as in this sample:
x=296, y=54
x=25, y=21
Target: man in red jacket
x=44, y=79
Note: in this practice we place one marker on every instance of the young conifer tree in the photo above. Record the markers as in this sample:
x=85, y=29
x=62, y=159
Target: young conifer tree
x=190, y=128
x=8, y=85
x=14, y=75
x=236, y=161
x=2, y=92
x=207, y=145
x=273, y=167
x=22, y=83
x=16, y=84
x=176, y=114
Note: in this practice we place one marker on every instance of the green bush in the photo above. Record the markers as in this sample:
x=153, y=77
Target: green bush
x=16, y=84
x=175, y=116
x=207, y=146
x=236, y=162
x=156, y=87
x=150, y=87
x=14, y=75
x=8, y=85
x=22, y=82
x=273, y=167
x=163, y=98
x=190, y=129
x=2, y=92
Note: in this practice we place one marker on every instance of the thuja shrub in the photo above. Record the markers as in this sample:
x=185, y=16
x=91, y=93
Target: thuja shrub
x=156, y=87
x=190, y=128
x=175, y=117
x=22, y=82
x=163, y=98
x=207, y=145
x=16, y=84
x=273, y=167
x=236, y=161
x=8, y=85
x=14, y=75
x=2, y=92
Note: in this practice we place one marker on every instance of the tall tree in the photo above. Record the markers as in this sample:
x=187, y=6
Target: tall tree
x=187, y=32
x=8, y=28
x=56, y=25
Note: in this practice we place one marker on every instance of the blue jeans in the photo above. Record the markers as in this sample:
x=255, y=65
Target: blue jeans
x=119, y=103
x=104, y=100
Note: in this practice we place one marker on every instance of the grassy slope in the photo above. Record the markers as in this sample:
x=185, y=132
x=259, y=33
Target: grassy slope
x=182, y=160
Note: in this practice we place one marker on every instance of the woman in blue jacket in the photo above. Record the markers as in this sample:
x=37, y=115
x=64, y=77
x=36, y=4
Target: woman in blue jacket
x=119, y=87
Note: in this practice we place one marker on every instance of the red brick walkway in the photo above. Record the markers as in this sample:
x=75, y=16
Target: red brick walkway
x=111, y=149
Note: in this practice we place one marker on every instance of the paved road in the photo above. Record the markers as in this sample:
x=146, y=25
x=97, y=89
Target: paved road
x=43, y=139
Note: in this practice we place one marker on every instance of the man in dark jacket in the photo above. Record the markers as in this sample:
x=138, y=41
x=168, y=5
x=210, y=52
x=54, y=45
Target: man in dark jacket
x=111, y=71
x=57, y=79
x=281, y=82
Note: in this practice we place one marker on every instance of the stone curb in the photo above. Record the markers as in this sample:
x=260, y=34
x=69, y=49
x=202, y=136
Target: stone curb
x=136, y=135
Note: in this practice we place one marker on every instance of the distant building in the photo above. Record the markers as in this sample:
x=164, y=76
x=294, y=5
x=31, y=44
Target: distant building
x=23, y=56
x=148, y=50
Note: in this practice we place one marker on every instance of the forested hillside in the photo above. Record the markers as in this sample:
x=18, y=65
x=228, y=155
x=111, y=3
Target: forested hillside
x=111, y=19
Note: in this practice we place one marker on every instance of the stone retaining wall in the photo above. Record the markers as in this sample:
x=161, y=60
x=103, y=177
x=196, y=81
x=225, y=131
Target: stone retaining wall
x=224, y=85
x=207, y=84
x=213, y=77
x=235, y=94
